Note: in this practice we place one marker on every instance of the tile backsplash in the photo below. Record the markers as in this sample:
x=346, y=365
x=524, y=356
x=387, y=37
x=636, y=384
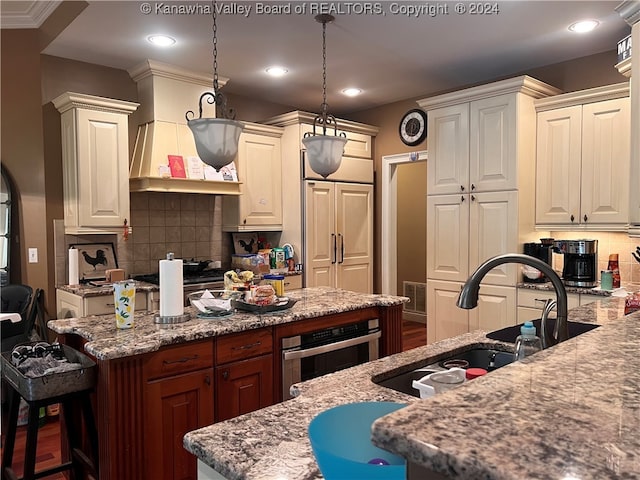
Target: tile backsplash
x=608, y=243
x=189, y=225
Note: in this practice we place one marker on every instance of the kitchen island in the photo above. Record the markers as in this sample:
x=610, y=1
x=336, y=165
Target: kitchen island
x=156, y=382
x=571, y=411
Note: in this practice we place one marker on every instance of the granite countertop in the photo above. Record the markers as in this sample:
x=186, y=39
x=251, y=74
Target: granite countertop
x=616, y=292
x=571, y=409
x=85, y=290
x=105, y=341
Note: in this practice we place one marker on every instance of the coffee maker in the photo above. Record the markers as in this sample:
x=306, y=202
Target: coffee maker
x=580, y=262
x=541, y=251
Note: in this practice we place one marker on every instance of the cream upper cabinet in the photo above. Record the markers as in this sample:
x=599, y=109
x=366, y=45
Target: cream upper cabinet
x=357, y=161
x=95, y=161
x=448, y=164
x=259, y=166
x=583, y=160
x=472, y=146
x=466, y=230
x=339, y=230
x=492, y=153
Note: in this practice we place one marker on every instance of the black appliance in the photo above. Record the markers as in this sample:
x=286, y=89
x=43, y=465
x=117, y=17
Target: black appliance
x=580, y=262
x=212, y=279
x=542, y=251
x=328, y=350
x=205, y=276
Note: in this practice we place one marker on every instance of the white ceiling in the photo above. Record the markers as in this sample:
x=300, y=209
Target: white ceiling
x=390, y=56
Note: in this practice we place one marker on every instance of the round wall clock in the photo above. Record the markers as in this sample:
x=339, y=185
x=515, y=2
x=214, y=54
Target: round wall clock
x=413, y=127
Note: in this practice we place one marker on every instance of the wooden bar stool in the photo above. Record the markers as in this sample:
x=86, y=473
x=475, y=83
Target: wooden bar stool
x=71, y=389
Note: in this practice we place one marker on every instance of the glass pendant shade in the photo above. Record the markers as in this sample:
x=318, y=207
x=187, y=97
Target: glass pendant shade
x=216, y=140
x=324, y=153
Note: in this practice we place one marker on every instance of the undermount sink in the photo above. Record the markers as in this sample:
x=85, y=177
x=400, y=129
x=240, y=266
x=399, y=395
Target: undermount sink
x=509, y=334
x=487, y=358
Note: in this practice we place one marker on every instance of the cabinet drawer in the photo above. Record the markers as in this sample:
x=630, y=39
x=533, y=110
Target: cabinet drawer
x=179, y=359
x=104, y=304
x=239, y=346
x=292, y=282
x=536, y=298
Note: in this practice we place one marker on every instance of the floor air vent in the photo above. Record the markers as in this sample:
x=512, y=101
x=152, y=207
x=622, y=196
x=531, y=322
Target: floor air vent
x=417, y=293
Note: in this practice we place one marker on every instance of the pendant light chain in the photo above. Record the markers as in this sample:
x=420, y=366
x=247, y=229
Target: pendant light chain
x=216, y=138
x=215, y=46
x=325, y=107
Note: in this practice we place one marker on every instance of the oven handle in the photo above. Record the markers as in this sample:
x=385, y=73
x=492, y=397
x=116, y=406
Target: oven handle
x=309, y=352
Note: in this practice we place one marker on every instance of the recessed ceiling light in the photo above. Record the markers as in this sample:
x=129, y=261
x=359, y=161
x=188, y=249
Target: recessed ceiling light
x=161, y=40
x=584, y=26
x=352, y=92
x=276, y=71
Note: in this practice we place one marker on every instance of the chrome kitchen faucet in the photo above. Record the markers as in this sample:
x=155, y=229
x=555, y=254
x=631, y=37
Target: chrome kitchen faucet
x=469, y=295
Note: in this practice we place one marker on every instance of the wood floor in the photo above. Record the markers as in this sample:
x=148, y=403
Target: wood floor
x=414, y=334
x=47, y=452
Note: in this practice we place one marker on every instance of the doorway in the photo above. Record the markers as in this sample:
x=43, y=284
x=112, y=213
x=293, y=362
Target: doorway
x=403, y=269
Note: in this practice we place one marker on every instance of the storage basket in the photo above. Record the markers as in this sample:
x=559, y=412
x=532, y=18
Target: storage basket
x=54, y=384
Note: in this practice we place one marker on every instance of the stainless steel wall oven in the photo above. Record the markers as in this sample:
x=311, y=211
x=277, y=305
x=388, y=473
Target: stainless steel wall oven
x=325, y=351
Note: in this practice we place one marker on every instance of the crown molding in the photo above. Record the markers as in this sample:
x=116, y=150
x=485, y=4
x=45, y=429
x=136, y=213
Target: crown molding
x=629, y=10
x=26, y=14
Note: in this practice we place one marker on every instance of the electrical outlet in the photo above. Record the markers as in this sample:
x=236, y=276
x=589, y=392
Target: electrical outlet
x=33, y=255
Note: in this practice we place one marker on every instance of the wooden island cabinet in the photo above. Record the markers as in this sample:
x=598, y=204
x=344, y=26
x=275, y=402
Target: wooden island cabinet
x=156, y=383
x=244, y=373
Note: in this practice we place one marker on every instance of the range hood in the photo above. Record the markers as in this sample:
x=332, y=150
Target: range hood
x=165, y=93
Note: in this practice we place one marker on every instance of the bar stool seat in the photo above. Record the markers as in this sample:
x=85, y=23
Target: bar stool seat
x=71, y=389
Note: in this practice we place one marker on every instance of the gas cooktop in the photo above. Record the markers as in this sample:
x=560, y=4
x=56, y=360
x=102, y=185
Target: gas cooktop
x=206, y=276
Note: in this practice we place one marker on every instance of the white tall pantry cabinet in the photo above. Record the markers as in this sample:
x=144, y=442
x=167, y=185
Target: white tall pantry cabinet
x=329, y=222
x=480, y=198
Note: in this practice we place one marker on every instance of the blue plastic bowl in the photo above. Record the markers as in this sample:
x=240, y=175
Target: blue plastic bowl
x=341, y=442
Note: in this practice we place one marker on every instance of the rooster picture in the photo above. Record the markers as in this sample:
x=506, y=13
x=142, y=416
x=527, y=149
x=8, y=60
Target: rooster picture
x=100, y=258
x=248, y=246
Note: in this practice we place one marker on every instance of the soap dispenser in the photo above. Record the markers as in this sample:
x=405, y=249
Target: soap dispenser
x=527, y=342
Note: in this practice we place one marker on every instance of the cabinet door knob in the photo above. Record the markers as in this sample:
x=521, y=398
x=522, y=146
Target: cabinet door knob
x=462, y=188
x=473, y=198
x=462, y=198
x=585, y=217
x=473, y=187
x=225, y=374
x=207, y=380
x=572, y=218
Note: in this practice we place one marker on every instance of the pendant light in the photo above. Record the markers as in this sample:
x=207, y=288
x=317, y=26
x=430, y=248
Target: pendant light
x=216, y=138
x=324, y=152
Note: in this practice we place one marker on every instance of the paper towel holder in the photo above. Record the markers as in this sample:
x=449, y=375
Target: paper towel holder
x=170, y=319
